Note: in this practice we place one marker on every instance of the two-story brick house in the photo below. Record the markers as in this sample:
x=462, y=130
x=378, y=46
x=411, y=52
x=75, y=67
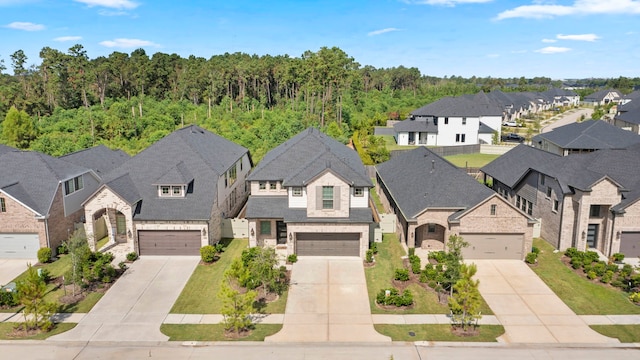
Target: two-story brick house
x=310, y=196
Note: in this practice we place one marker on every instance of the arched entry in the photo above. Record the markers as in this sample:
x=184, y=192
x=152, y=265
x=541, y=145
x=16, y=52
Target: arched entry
x=430, y=236
x=110, y=223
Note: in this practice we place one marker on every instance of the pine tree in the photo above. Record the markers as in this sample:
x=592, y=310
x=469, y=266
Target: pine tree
x=37, y=311
x=465, y=302
x=236, y=308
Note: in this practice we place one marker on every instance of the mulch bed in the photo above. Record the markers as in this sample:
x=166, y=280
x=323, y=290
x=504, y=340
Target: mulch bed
x=468, y=332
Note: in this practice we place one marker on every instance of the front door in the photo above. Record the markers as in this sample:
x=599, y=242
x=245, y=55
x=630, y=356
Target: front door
x=281, y=229
x=592, y=236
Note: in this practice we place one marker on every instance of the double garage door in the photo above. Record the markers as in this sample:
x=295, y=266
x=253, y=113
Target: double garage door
x=19, y=246
x=166, y=242
x=630, y=243
x=493, y=246
x=328, y=244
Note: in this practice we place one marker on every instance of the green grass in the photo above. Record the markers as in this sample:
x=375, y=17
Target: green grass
x=102, y=242
x=379, y=277
x=56, y=269
x=6, y=330
x=624, y=333
x=488, y=333
x=390, y=144
x=475, y=160
x=200, y=295
x=581, y=295
x=214, y=332
x=376, y=200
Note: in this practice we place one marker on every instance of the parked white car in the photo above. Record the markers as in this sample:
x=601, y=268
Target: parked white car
x=510, y=123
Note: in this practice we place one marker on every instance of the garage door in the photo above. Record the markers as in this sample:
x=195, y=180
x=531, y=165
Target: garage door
x=630, y=243
x=328, y=244
x=19, y=246
x=493, y=246
x=164, y=242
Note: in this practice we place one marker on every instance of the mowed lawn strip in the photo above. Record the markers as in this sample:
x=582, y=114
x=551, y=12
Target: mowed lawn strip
x=624, y=333
x=7, y=330
x=389, y=258
x=581, y=295
x=475, y=160
x=200, y=294
x=488, y=333
x=214, y=332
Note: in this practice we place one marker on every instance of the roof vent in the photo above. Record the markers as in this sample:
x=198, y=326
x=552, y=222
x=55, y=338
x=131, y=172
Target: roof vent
x=433, y=165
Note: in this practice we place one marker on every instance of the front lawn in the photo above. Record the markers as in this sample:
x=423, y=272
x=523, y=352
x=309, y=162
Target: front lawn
x=7, y=332
x=389, y=258
x=624, y=333
x=214, y=332
x=488, y=333
x=581, y=295
x=475, y=160
x=200, y=295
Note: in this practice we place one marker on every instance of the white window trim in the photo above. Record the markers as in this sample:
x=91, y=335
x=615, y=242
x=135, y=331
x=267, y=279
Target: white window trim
x=171, y=191
x=294, y=191
x=355, y=192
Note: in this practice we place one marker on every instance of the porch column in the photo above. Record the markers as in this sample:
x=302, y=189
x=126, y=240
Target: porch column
x=411, y=236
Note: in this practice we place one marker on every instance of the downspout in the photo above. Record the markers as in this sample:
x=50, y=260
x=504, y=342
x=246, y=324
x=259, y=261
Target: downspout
x=612, y=236
x=46, y=232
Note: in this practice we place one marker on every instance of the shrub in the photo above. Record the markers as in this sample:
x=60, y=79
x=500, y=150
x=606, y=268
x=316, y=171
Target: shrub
x=576, y=263
x=606, y=278
x=45, y=275
x=438, y=256
x=590, y=257
x=122, y=265
x=208, y=253
x=592, y=275
x=617, y=257
x=531, y=258
x=62, y=249
x=8, y=299
x=219, y=248
x=626, y=270
x=292, y=258
x=618, y=283
x=635, y=297
x=374, y=247
x=600, y=268
x=429, y=273
x=369, y=256
x=412, y=251
x=535, y=250
x=132, y=256
x=571, y=252
x=44, y=255
x=414, y=260
x=394, y=298
x=402, y=275
x=613, y=267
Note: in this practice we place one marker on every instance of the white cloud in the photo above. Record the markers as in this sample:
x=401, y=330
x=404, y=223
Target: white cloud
x=549, y=40
x=579, y=7
x=114, y=4
x=445, y=2
x=553, y=50
x=579, y=37
x=68, y=38
x=128, y=43
x=26, y=26
x=382, y=31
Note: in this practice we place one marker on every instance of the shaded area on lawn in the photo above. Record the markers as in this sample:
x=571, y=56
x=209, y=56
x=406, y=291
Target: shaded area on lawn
x=581, y=295
x=214, y=332
x=7, y=332
x=624, y=333
x=380, y=276
x=200, y=294
x=421, y=332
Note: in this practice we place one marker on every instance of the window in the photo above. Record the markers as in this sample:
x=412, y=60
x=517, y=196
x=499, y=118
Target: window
x=594, y=211
x=460, y=137
x=446, y=121
x=548, y=191
x=555, y=205
x=431, y=228
x=121, y=224
x=176, y=190
x=3, y=206
x=296, y=191
x=518, y=200
x=530, y=208
x=171, y=191
x=542, y=179
x=232, y=175
x=272, y=186
x=464, y=121
x=73, y=185
x=327, y=197
x=265, y=227
x=164, y=190
x=493, y=209
x=358, y=192
x=435, y=120
x=263, y=185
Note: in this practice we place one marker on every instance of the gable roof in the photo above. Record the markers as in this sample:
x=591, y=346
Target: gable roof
x=511, y=166
x=190, y=153
x=419, y=180
x=601, y=94
x=590, y=135
x=99, y=158
x=33, y=178
x=473, y=106
x=305, y=156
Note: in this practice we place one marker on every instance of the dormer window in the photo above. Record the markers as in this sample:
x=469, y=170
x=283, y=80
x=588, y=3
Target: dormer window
x=73, y=185
x=358, y=192
x=171, y=190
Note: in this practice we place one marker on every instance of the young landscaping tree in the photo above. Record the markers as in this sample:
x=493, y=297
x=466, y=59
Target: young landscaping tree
x=79, y=252
x=37, y=311
x=236, y=307
x=453, y=261
x=465, y=301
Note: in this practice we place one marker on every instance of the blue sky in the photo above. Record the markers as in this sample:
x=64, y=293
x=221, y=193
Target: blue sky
x=558, y=39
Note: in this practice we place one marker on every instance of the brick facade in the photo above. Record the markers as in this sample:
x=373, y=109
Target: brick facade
x=19, y=219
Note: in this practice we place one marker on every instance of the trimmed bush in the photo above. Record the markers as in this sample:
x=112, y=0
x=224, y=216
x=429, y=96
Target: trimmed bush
x=592, y=275
x=369, y=256
x=438, y=256
x=374, y=247
x=412, y=251
x=401, y=275
x=208, y=253
x=62, y=249
x=535, y=250
x=394, y=297
x=8, y=299
x=292, y=258
x=635, y=297
x=571, y=252
x=607, y=277
x=44, y=255
x=590, y=257
x=576, y=263
x=132, y=256
x=626, y=270
x=600, y=268
x=531, y=258
x=414, y=260
x=219, y=248
x=45, y=275
x=617, y=257
x=428, y=274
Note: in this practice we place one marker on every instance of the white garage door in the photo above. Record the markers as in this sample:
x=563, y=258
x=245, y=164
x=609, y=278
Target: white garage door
x=19, y=246
x=493, y=246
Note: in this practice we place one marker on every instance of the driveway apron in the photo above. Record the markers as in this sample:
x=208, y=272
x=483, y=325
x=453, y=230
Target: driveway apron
x=11, y=268
x=328, y=302
x=527, y=308
x=136, y=305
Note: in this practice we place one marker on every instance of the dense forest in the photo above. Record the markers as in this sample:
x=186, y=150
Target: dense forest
x=68, y=102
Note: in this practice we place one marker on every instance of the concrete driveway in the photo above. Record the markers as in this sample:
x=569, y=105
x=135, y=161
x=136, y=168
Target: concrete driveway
x=135, y=306
x=527, y=308
x=11, y=268
x=328, y=301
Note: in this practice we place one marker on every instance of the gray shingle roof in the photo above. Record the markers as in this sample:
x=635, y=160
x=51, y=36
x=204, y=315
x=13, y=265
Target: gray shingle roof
x=485, y=129
x=589, y=135
x=459, y=106
x=99, y=158
x=631, y=115
x=419, y=124
x=599, y=95
x=419, y=180
x=193, y=153
x=306, y=155
x=33, y=178
x=510, y=167
x=276, y=207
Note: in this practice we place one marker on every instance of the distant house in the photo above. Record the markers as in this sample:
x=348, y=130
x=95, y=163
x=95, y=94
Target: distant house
x=170, y=198
x=310, y=196
x=586, y=136
x=40, y=201
x=433, y=199
x=451, y=121
x=587, y=201
x=628, y=115
x=603, y=97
